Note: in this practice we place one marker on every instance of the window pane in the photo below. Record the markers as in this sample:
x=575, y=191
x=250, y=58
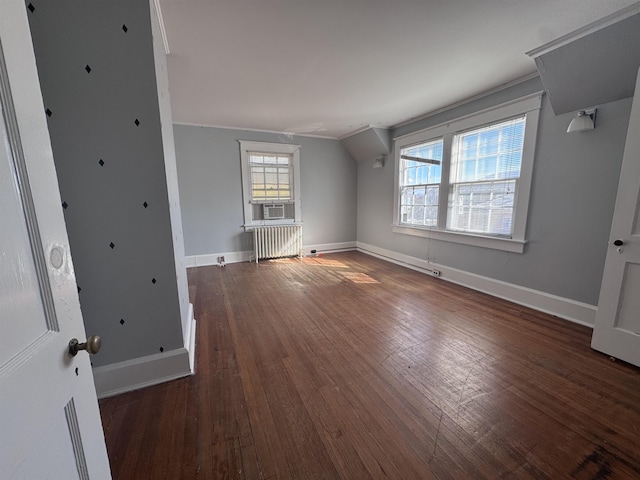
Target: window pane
x=405, y=214
x=283, y=179
x=258, y=194
x=410, y=175
x=432, y=195
x=270, y=177
x=420, y=183
x=485, y=166
x=488, y=153
x=485, y=207
x=418, y=216
x=431, y=216
x=419, y=194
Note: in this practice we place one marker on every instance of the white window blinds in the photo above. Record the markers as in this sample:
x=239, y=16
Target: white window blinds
x=485, y=169
x=270, y=177
x=420, y=175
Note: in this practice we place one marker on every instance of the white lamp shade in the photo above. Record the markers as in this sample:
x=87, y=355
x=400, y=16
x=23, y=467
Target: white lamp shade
x=378, y=162
x=580, y=123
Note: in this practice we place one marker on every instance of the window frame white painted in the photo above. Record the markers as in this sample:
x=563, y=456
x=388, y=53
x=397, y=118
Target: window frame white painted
x=528, y=105
x=247, y=146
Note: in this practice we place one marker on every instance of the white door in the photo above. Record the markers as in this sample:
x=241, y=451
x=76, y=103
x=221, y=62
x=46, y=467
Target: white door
x=49, y=420
x=617, y=329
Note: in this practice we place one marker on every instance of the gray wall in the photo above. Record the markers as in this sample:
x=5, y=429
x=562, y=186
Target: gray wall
x=211, y=188
x=574, y=187
x=92, y=118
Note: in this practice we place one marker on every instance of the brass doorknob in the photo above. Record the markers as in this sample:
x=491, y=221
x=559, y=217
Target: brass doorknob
x=92, y=345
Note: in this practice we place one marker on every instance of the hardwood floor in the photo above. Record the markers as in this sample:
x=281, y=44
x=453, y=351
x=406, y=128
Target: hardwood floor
x=346, y=366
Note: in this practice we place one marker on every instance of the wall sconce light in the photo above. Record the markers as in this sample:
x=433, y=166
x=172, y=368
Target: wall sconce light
x=584, y=120
x=379, y=162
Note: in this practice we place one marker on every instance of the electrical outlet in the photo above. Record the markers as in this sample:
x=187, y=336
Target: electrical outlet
x=435, y=273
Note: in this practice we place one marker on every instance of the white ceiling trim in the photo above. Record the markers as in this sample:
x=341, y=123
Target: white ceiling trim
x=586, y=30
x=360, y=130
x=275, y=132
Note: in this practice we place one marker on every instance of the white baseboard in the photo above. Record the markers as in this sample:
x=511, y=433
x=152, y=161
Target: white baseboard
x=212, y=258
x=236, y=257
x=577, y=312
x=329, y=247
x=142, y=372
x=153, y=369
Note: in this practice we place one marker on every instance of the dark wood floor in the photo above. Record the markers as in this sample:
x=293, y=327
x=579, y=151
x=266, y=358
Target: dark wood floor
x=346, y=366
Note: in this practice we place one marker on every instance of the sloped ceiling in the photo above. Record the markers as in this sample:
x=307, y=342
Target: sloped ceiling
x=331, y=67
x=595, y=65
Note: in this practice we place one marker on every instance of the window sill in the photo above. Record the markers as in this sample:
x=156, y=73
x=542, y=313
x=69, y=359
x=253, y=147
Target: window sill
x=495, y=243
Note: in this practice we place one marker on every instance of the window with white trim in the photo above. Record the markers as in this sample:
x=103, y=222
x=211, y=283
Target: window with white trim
x=421, y=172
x=468, y=181
x=270, y=183
x=485, y=170
x=270, y=177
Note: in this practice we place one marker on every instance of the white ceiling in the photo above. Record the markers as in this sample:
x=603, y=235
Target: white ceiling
x=331, y=67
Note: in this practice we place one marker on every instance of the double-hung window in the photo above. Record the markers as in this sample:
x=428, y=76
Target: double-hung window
x=271, y=175
x=468, y=181
x=270, y=183
x=421, y=172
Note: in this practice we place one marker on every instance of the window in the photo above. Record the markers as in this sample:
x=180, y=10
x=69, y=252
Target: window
x=270, y=175
x=421, y=167
x=485, y=168
x=468, y=181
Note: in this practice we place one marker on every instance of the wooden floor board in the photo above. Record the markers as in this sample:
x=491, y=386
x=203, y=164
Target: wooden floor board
x=348, y=367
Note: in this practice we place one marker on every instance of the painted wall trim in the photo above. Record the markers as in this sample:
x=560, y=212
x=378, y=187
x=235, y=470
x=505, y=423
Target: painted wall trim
x=163, y=31
x=360, y=130
x=237, y=257
x=329, y=247
x=212, y=258
x=582, y=32
x=289, y=135
x=574, y=311
x=190, y=339
x=122, y=377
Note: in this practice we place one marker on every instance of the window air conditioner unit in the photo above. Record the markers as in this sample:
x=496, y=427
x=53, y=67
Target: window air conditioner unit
x=273, y=211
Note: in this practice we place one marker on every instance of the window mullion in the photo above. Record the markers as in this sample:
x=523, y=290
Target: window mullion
x=445, y=181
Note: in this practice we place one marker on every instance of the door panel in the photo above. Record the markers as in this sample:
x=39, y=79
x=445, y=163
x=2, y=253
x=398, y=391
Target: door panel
x=19, y=281
x=628, y=318
x=49, y=419
x=617, y=329
x=54, y=447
